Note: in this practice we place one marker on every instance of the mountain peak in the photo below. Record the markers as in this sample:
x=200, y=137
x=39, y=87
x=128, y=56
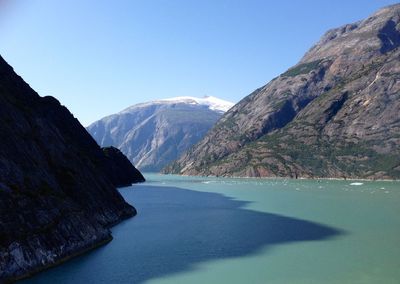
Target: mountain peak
x=334, y=114
x=153, y=134
x=211, y=102
x=377, y=34
x=391, y=9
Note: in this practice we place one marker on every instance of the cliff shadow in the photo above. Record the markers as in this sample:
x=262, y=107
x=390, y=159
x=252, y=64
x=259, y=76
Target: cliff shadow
x=175, y=230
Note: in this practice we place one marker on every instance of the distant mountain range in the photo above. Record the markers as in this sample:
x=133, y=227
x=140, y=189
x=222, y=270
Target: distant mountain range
x=155, y=133
x=334, y=114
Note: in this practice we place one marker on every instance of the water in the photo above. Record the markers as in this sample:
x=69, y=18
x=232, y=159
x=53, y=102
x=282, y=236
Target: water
x=215, y=230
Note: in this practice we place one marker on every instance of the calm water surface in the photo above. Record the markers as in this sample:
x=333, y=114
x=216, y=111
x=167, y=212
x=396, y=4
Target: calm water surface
x=217, y=230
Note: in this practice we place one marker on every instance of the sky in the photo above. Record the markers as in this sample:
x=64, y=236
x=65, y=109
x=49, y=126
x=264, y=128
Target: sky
x=98, y=57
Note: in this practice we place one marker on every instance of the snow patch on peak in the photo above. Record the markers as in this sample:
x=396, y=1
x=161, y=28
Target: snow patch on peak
x=213, y=103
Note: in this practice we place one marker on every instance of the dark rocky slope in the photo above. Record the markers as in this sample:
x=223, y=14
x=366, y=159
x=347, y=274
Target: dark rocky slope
x=56, y=195
x=334, y=114
x=120, y=170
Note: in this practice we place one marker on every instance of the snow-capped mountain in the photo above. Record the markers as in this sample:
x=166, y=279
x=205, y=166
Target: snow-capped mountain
x=212, y=103
x=152, y=134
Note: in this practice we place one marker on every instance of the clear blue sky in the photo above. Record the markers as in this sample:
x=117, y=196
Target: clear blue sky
x=101, y=56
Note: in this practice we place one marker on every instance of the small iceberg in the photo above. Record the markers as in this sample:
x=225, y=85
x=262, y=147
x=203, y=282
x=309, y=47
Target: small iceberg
x=356, y=183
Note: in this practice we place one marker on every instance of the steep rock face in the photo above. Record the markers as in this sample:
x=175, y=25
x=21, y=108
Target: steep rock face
x=56, y=199
x=154, y=134
x=120, y=170
x=334, y=114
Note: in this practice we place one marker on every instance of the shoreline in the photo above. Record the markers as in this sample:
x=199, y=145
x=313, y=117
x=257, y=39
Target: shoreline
x=60, y=261
x=281, y=178
x=84, y=251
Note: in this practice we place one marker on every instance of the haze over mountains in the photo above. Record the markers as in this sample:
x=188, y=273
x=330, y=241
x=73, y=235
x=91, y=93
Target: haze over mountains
x=155, y=133
x=334, y=114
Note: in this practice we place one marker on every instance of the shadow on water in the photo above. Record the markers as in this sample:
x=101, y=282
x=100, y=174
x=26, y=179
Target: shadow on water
x=177, y=229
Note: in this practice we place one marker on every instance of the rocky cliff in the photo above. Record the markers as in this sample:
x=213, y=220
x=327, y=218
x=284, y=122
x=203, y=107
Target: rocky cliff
x=56, y=197
x=155, y=133
x=334, y=114
x=120, y=170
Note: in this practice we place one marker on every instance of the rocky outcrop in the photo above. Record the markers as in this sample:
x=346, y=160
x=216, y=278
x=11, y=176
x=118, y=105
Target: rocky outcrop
x=55, y=199
x=334, y=114
x=119, y=169
x=155, y=133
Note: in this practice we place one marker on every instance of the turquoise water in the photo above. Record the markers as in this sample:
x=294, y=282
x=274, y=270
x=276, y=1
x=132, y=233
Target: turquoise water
x=219, y=230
